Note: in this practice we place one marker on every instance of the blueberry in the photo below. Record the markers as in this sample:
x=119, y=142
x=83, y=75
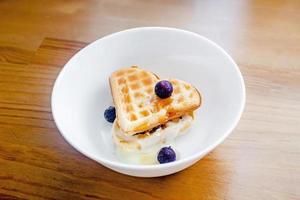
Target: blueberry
x=110, y=114
x=166, y=155
x=163, y=89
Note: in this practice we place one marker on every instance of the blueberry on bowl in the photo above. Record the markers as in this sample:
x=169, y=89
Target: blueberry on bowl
x=163, y=89
x=110, y=114
x=166, y=155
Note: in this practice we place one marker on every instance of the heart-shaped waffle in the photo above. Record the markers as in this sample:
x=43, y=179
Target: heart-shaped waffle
x=139, y=109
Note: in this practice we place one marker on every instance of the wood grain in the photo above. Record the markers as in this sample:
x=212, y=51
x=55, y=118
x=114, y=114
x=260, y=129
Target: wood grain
x=260, y=159
x=254, y=162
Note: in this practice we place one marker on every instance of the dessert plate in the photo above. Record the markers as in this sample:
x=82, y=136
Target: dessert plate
x=81, y=93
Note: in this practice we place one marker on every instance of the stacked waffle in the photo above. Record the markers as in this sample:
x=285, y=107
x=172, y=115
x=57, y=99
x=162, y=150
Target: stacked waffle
x=143, y=119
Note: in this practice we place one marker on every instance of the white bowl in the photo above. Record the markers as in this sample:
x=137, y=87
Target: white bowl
x=81, y=93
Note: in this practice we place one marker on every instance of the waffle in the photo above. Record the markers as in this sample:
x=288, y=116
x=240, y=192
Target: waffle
x=139, y=109
x=142, y=149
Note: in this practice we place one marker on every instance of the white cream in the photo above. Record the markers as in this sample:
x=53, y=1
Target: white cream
x=143, y=150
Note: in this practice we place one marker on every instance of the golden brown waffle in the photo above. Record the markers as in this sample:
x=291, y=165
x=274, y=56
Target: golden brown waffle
x=139, y=109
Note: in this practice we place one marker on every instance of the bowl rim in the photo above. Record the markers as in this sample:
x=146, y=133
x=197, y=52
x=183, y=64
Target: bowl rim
x=126, y=166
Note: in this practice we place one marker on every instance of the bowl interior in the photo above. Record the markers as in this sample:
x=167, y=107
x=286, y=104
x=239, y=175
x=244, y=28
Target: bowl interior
x=82, y=92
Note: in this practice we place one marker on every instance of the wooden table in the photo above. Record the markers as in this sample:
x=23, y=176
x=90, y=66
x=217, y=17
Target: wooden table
x=260, y=159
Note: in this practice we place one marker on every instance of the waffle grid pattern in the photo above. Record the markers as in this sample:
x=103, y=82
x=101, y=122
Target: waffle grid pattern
x=137, y=89
x=139, y=100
